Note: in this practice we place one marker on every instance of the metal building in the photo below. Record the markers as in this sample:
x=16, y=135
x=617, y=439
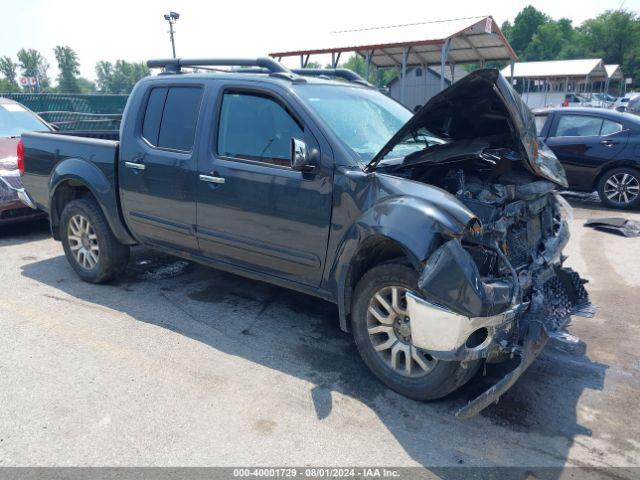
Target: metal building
x=438, y=43
x=422, y=83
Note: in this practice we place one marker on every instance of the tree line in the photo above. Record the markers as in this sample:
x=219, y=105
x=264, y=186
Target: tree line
x=613, y=36
x=117, y=77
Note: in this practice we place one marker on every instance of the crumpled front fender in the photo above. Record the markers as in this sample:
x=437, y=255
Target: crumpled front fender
x=451, y=279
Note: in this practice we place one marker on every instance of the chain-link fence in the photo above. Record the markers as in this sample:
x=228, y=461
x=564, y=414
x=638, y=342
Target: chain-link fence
x=75, y=111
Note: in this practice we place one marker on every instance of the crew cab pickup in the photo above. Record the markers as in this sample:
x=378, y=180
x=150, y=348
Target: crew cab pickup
x=438, y=235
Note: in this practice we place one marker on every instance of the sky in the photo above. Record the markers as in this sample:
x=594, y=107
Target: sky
x=135, y=30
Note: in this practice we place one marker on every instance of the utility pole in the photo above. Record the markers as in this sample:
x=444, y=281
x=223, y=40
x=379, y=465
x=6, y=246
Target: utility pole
x=171, y=17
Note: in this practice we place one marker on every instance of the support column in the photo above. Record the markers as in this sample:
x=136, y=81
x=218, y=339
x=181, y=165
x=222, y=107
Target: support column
x=444, y=54
x=403, y=74
x=546, y=91
x=368, y=56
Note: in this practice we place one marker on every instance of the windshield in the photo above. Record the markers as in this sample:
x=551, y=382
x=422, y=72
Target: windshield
x=15, y=119
x=364, y=120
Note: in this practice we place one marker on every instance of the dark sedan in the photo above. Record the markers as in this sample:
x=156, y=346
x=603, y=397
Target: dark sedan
x=599, y=148
x=14, y=120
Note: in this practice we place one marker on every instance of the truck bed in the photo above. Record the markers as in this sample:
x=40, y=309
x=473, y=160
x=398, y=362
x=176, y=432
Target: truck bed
x=52, y=157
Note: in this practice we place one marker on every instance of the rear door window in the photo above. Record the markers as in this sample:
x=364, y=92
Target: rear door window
x=179, y=119
x=578, y=126
x=171, y=116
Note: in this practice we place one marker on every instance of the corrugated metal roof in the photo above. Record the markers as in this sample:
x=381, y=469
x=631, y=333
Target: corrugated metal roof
x=594, y=67
x=472, y=40
x=614, y=72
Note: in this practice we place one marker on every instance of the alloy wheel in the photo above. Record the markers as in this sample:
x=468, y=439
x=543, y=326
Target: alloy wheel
x=389, y=328
x=622, y=188
x=83, y=241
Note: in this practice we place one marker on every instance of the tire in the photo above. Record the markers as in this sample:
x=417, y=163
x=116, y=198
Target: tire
x=84, y=228
x=439, y=380
x=620, y=188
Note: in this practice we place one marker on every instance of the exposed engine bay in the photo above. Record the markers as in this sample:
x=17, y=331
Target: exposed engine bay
x=502, y=284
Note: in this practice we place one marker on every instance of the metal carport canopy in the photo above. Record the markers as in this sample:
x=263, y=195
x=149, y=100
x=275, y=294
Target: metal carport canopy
x=467, y=40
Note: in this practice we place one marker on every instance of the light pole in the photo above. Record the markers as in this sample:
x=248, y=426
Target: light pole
x=171, y=17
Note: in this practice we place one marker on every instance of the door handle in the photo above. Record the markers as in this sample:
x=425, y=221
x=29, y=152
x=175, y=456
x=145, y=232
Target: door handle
x=135, y=165
x=212, y=179
x=608, y=143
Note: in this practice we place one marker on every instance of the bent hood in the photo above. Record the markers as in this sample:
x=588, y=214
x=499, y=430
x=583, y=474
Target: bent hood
x=482, y=104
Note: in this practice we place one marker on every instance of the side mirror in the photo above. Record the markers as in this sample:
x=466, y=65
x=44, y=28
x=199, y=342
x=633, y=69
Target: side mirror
x=302, y=159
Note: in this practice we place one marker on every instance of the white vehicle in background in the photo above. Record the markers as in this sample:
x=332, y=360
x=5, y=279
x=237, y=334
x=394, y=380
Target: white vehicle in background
x=603, y=100
x=621, y=102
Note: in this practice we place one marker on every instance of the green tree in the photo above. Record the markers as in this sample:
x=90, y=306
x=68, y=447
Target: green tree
x=615, y=37
x=69, y=70
x=524, y=27
x=86, y=86
x=33, y=64
x=119, y=77
x=8, y=87
x=378, y=77
x=550, y=40
x=8, y=68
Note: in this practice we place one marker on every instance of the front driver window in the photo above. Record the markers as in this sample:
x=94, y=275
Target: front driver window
x=257, y=128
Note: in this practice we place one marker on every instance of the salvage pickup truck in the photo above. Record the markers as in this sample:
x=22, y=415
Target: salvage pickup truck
x=438, y=235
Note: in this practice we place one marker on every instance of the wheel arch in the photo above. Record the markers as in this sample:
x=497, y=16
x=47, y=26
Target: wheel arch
x=75, y=178
x=613, y=164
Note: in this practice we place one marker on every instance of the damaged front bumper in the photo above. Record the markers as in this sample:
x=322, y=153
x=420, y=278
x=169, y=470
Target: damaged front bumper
x=460, y=316
x=447, y=335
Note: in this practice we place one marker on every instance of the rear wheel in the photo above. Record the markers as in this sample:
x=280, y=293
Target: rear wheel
x=89, y=244
x=382, y=332
x=620, y=188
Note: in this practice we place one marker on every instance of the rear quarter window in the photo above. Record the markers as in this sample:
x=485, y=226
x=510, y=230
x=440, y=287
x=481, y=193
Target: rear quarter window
x=609, y=127
x=153, y=115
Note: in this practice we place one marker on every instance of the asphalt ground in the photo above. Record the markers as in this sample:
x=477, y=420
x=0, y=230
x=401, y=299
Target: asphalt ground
x=176, y=364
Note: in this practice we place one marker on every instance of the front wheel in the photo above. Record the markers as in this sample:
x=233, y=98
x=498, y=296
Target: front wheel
x=382, y=332
x=89, y=244
x=620, y=188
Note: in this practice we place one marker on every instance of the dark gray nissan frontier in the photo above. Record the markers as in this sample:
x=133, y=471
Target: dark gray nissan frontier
x=438, y=235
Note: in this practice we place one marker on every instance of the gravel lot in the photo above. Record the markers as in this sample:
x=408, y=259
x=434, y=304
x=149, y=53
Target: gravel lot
x=177, y=364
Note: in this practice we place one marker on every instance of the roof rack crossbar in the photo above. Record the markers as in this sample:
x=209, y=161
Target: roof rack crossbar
x=344, y=73
x=173, y=65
